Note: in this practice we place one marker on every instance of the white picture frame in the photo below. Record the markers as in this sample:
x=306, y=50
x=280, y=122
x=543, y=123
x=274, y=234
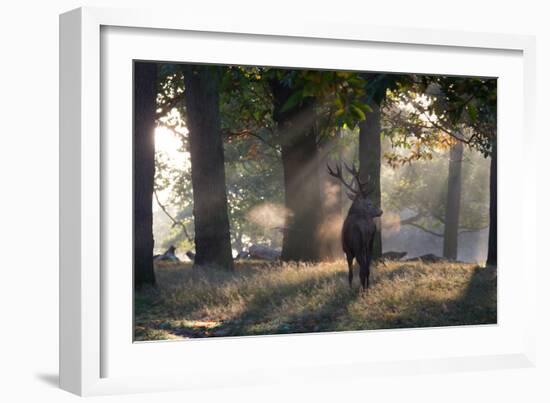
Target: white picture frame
x=98, y=357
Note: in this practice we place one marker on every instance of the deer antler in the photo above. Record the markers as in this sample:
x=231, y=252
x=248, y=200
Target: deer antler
x=338, y=175
x=361, y=186
x=355, y=173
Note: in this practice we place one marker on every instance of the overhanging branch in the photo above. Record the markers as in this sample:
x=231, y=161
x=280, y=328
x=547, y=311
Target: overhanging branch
x=174, y=221
x=412, y=221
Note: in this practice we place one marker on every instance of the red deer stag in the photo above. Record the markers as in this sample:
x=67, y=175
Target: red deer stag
x=359, y=227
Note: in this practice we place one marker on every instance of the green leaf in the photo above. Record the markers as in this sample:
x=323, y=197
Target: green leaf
x=339, y=112
x=358, y=112
x=472, y=111
x=292, y=101
x=308, y=90
x=362, y=105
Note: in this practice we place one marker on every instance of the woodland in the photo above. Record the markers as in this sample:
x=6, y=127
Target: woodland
x=255, y=150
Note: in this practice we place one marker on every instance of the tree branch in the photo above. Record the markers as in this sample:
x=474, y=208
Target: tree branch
x=467, y=230
x=248, y=132
x=413, y=224
x=174, y=221
x=412, y=219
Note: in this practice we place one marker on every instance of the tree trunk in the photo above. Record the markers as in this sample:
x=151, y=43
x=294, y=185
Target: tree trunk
x=370, y=162
x=452, y=208
x=212, y=238
x=332, y=199
x=296, y=134
x=302, y=199
x=492, y=252
x=145, y=93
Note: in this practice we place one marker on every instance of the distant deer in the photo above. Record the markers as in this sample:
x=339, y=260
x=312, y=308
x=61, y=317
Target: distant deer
x=359, y=227
x=169, y=255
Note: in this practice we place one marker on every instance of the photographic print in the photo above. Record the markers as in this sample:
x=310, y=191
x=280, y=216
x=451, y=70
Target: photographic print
x=271, y=200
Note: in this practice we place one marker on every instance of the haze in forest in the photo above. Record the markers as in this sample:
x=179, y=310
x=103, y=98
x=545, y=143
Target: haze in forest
x=278, y=200
x=404, y=189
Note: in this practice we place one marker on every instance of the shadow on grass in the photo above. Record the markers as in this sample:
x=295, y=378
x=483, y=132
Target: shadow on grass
x=309, y=305
x=324, y=319
x=477, y=305
x=319, y=315
x=317, y=301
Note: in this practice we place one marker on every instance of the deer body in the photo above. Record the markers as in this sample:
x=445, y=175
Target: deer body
x=359, y=227
x=357, y=242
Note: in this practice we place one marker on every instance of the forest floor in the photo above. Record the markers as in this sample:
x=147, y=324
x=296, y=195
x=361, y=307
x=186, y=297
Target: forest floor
x=273, y=298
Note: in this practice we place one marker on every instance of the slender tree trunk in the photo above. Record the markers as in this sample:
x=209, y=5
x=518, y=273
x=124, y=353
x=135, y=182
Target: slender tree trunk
x=452, y=208
x=299, y=154
x=212, y=238
x=145, y=93
x=492, y=252
x=370, y=163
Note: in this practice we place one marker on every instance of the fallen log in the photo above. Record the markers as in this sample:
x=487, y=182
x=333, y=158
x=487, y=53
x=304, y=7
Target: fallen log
x=391, y=255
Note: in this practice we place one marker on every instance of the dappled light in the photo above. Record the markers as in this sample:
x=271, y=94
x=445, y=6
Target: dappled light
x=274, y=299
x=279, y=200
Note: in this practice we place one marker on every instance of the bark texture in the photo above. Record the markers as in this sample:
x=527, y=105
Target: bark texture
x=299, y=152
x=452, y=207
x=369, y=164
x=492, y=252
x=145, y=92
x=212, y=237
x=332, y=203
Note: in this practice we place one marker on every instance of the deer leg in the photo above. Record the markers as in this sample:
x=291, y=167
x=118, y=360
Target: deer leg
x=363, y=261
x=363, y=276
x=368, y=272
x=350, y=269
x=369, y=258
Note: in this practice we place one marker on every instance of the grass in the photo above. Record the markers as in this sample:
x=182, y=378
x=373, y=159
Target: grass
x=273, y=298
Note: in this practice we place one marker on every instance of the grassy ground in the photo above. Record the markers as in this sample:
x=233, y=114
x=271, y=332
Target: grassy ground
x=268, y=298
